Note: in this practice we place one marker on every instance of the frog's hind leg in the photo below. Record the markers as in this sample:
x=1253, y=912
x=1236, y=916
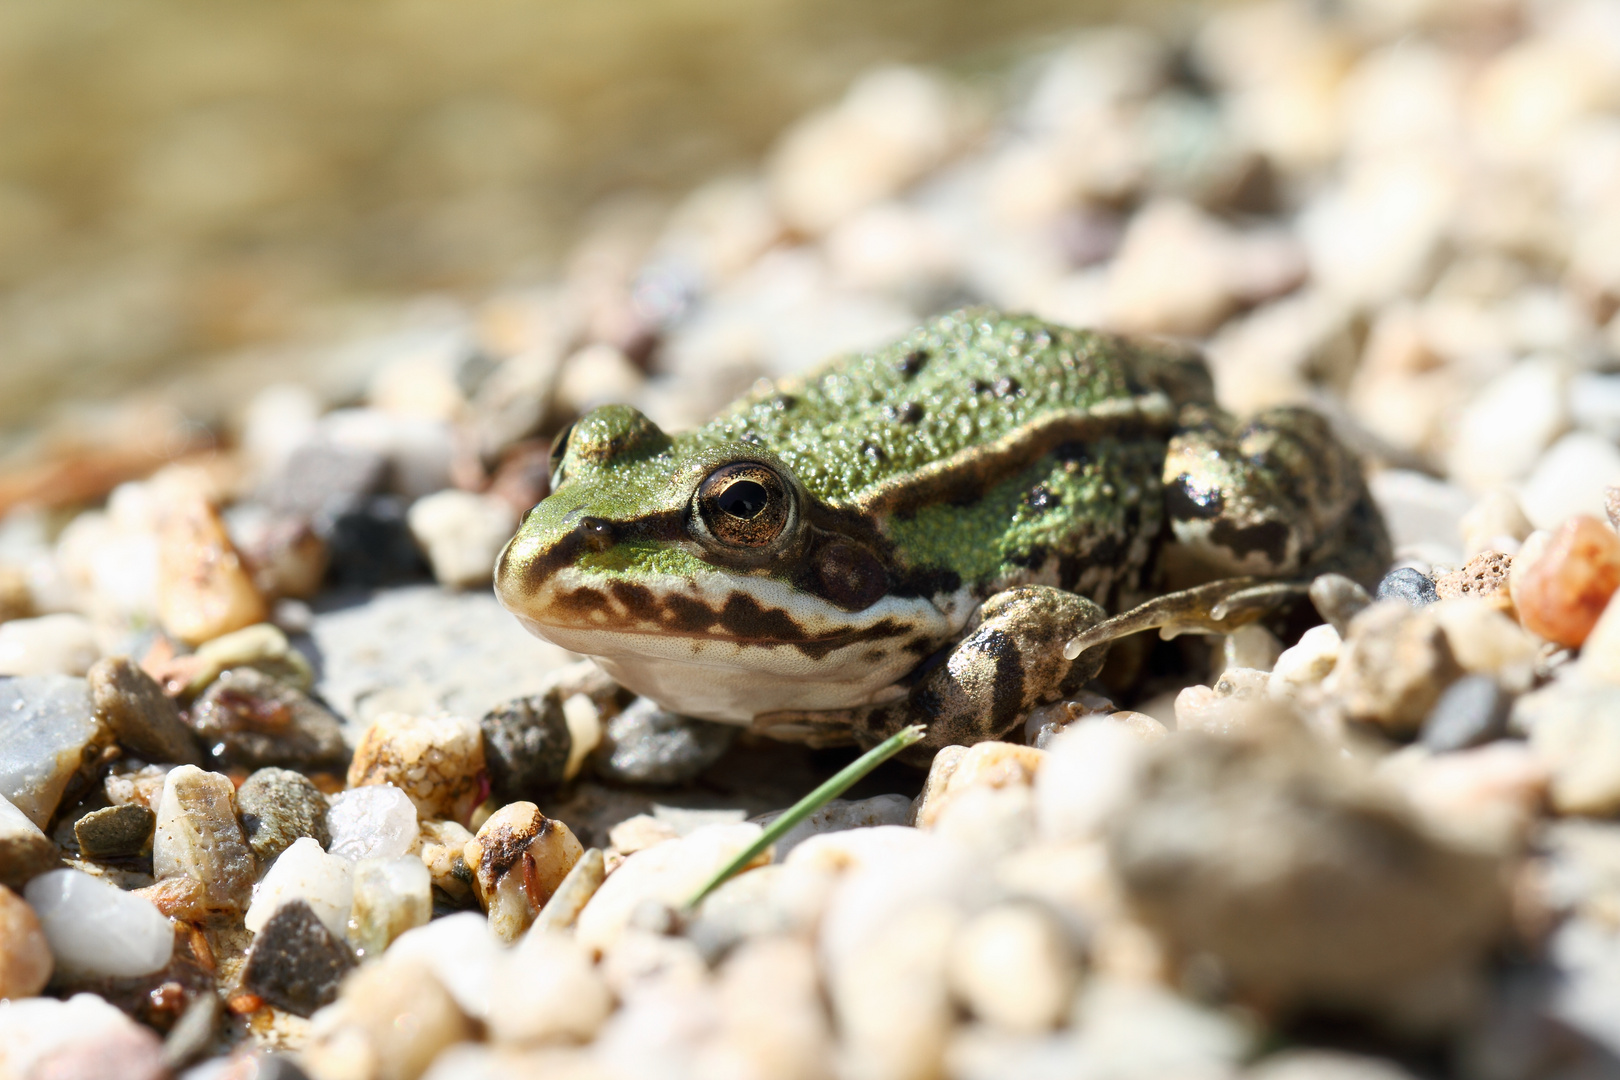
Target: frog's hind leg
x=988, y=682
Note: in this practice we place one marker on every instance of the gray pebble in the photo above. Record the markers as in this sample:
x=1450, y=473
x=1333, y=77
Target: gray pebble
x=249, y=719
x=645, y=744
x=140, y=715
x=1472, y=711
x=526, y=746
x=296, y=962
x=277, y=806
x=1338, y=600
x=322, y=476
x=193, y=1034
x=1405, y=583
x=115, y=832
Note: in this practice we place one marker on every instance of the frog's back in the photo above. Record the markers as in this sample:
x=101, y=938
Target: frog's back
x=964, y=382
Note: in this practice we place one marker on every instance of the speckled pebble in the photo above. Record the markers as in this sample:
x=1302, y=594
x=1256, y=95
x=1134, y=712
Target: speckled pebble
x=646, y=744
x=114, y=832
x=1404, y=583
x=526, y=747
x=277, y=806
x=249, y=719
x=1483, y=577
x=296, y=963
x=199, y=837
x=437, y=761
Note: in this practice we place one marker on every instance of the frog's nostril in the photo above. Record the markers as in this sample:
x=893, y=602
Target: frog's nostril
x=595, y=532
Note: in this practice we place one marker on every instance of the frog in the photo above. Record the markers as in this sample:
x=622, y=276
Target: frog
x=948, y=531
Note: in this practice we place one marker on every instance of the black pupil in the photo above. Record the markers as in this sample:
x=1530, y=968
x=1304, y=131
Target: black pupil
x=744, y=499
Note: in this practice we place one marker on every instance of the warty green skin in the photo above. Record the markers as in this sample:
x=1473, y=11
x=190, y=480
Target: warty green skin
x=958, y=502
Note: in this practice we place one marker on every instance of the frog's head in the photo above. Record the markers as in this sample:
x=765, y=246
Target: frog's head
x=675, y=560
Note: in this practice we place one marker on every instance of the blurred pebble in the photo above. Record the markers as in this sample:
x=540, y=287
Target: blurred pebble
x=372, y=823
x=1423, y=514
x=546, y=990
x=1251, y=647
x=114, y=832
x=320, y=477
x=990, y=764
x=246, y=718
x=1473, y=710
x=203, y=589
x=1337, y=599
x=47, y=645
x=462, y=534
x=395, y=1017
x=438, y=762
x=1494, y=523
x=647, y=744
x=1013, y=966
x=417, y=450
x=25, y=851
x=82, y=1038
x=143, y=719
x=96, y=929
x=1510, y=421
x=1086, y=777
x=461, y=951
x=837, y=815
x=1305, y=663
x=50, y=734
x=1569, y=479
x=370, y=545
x=25, y=955
x=526, y=746
x=1482, y=577
x=304, y=872
x=597, y=375
x=1563, y=591
x=1325, y=1065
x=199, y=837
x=1485, y=641
x=278, y=806
x=263, y=647
x=576, y=890
x=283, y=553
x=1393, y=667
x=1412, y=586
x=1574, y=729
x=296, y=961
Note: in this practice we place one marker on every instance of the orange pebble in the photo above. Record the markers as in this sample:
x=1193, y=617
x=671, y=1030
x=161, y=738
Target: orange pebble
x=1565, y=590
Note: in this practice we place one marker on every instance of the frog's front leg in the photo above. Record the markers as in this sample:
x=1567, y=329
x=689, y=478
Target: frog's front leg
x=1009, y=663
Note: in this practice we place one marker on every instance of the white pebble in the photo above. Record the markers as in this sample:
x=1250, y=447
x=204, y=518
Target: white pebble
x=1087, y=775
x=462, y=952
x=1507, y=425
x=462, y=533
x=373, y=822
x=547, y=989
x=86, y=1030
x=96, y=929
x=1569, y=479
x=391, y=896
x=305, y=872
x=1013, y=967
x=1305, y=663
x=49, y=645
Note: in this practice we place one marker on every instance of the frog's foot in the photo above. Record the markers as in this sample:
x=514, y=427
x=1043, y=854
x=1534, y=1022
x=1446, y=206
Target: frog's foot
x=987, y=683
x=1219, y=607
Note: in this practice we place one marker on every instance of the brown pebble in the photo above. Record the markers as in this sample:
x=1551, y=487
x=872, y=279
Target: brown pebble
x=1485, y=577
x=25, y=958
x=1561, y=595
x=203, y=588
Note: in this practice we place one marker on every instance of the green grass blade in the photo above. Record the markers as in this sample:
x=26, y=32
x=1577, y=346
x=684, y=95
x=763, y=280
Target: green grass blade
x=835, y=786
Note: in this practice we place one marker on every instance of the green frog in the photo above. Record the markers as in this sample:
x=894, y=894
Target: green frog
x=935, y=532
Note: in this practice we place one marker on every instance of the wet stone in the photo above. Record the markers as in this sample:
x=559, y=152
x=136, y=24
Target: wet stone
x=48, y=733
x=296, y=962
x=1472, y=711
x=249, y=719
x=278, y=806
x=144, y=720
x=526, y=746
x=1405, y=583
x=646, y=744
x=115, y=832
x=96, y=929
x=25, y=851
x=199, y=837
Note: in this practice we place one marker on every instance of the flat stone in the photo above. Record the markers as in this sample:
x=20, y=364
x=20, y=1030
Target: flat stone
x=526, y=747
x=25, y=851
x=49, y=734
x=249, y=719
x=427, y=651
x=646, y=744
x=296, y=963
x=114, y=832
x=276, y=807
x=144, y=720
x=199, y=837
x=96, y=929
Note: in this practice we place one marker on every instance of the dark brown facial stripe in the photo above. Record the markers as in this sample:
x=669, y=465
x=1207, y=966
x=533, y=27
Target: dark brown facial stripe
x=665, y=526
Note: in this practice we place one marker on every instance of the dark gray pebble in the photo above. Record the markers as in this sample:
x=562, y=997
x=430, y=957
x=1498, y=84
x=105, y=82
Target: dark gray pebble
x=145, y=721
x=1405, y=583
x=114, y=832
x=1338, y=600
x=249, y=719
x=1472, y=711
x=370, y=545
x=277, y=806
x=296, y=962
x=645, y=744
x=526, y=746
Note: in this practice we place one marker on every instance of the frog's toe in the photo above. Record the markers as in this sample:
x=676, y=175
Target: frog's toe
x=1216, y=608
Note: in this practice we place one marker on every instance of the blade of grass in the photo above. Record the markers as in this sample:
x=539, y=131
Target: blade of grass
x=836, y=785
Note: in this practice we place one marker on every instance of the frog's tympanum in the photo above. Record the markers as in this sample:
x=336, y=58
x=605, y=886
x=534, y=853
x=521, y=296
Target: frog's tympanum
x=914, y=535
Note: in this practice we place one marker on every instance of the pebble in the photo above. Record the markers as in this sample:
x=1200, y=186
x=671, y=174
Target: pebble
x=441, y=850
x=251, y=720
x=1251, y=647
x=203, y=588
x=144, y=786
x=1574, y=729
x=323, y=478
x=640, y=832
x=114, y=832
x=1483, y=577
x=669, y=873
x=1487, y=796
x=1472, y=711
x=992, y=764
x=283, y=552
x=296, y=961
x=50, y=732
x=1487, y=642
x=1404, y=583
x=277, y=807
x=47, y=645
x=1338, y=600
x=1499, y=435
x=1014, y=967
x=837, y=815
x=890, y=998
x=437, y=761
x=462, y=534
x=144, y=720
x=25, y=954
x=194, y=1033
x=1569, y=479
x=82, y=1038
x=263, y=647
x=1393, y=667
x=178, y=898
x=576, y=890
x=519, y=858
x=390, y=1021
x=1306, y=663
x=1423, y=514
x=526, y=747
x=461, y=951
x=24, y=850
x=1494, y=523
x=370, y=546
x=391, y=896
x=376, y=822
x=1325, y=1065
x=303, y=872
x=96, y=929
x=547, y=990
x=645, y=744
x=199, y=837
x=1563, y=591
x=1238, y=702
x=1226, y=839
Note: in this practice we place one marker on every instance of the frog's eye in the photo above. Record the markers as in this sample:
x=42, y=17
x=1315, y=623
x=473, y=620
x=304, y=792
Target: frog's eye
x=745, y=504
